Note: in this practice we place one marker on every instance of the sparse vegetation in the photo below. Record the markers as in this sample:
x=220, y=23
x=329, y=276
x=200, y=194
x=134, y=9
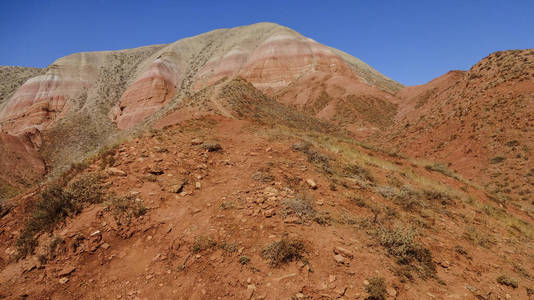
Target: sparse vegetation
x=401, y=243
x=228, y=247
x=244, y=260
x=56, y=203
x=284, y=251
x=106, y=157
x=477, y=238
x=497, y=159
x=313, y=156
x=441, y=168
x=512, y=143
x=460, y=250
x=227, y=205
x=124, y=208
x=212, y=147
x=352, y=170
x=358, y=201
x=301, y=206
x=6, y=191
x=439, y=197
x=263, y=175
x=408, y=199
x=376, y=289
x=203, y=243
x=521, y=271
x=12, y=77
x=508, y=281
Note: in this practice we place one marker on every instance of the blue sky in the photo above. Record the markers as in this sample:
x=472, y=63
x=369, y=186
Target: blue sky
x=409, y=41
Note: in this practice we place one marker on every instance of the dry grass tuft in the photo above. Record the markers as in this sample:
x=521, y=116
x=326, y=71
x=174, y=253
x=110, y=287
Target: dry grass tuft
x=125, y=208
x=508, y=281
x=203, y=243
x=376, y=289
x=402, y=244
x=283, y=251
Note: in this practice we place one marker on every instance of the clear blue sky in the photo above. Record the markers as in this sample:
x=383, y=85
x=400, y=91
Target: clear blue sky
x=409, y=41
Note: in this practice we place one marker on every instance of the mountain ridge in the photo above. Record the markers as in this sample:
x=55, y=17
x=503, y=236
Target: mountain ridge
x=256, y=163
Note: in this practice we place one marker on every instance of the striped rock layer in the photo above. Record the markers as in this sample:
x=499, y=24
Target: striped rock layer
x=272, y=57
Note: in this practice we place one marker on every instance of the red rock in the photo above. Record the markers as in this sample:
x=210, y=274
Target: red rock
x=269, y=213
x=343, y=251
x=115, y=172
x=339, y=259
x=154, y=88
x=292, y=220
x=66, y=271
x=20, y=161
x=311, y=183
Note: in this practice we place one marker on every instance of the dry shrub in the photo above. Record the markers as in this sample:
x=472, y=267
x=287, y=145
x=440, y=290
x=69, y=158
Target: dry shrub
x=125, y=208
x=402, y=244
x=314, y=157
x=58, y=202
x=283, y=251
x=212, y=147
x=301, y=206
x=376, y=289
x=508, y=281
x=203, y=243
x=357, y=171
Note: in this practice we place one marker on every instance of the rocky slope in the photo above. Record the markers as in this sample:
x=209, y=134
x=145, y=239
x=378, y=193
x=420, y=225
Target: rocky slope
x=214, y=207
x=86, y=100
x=478, y=123
x=227, y=166
x=13, y=77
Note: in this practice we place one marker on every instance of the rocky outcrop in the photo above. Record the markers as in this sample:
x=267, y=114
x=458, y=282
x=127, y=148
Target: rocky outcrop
x=83, y=99
x=150, y=92
x=20, y=164
x=275, y=59
x=42, y=99
x=279, y=60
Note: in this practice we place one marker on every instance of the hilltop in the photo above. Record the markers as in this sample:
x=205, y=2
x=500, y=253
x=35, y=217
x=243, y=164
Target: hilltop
x=256, y=163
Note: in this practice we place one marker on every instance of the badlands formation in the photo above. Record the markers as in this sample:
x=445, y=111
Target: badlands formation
x=256, y=163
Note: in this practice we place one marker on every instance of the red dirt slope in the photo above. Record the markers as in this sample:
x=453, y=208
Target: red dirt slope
x=478, y=123
x=198, y=222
